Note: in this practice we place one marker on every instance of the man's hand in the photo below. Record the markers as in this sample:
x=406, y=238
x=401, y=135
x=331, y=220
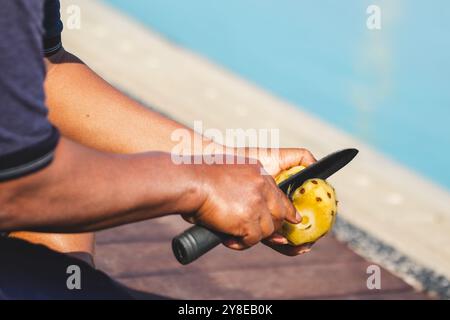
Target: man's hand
x=275, y=161
x=254, y=197
x=241, y=201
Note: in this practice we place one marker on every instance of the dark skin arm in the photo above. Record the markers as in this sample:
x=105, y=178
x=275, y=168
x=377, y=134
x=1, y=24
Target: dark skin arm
x=97, y=190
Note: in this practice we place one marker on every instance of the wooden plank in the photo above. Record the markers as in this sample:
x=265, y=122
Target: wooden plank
x=271, y=282
x=162, y=229
x=331, y=270
x=145, y=263
x=153, y=258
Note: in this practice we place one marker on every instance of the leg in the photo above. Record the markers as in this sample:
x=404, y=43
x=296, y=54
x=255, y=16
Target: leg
x=29, y=271
x=80, y=246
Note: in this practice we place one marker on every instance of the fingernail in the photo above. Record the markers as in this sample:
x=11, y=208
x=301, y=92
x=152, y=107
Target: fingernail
x=230, y=242
x=298, y=217
x=279, y=239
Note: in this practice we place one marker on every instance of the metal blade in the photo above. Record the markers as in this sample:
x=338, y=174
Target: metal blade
x=322, y=169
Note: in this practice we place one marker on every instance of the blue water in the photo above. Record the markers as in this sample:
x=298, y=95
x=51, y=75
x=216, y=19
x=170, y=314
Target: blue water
x=388, y=87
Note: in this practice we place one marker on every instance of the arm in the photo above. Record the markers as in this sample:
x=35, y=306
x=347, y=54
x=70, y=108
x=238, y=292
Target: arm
x=90, y=111
x=87, y=190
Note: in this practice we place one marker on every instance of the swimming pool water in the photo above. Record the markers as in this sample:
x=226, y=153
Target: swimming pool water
x=388, y=87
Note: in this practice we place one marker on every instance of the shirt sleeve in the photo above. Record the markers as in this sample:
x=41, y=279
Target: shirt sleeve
x=27, y=138
x=53, y=27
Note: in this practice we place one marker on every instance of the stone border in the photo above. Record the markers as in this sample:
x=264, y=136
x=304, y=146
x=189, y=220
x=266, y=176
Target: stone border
x=371, y=248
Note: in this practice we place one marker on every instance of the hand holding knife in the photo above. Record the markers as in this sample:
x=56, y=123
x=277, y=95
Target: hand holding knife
x=197, y=240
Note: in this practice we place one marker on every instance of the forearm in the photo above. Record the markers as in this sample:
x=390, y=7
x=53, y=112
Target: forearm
x=86, y=190
x=88, y=110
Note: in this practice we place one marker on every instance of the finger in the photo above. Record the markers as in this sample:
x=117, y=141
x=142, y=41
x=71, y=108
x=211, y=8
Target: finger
x=267, y=224
x=280, y=206
x=275, y=205
x=284, y=249
x=253, y=236
x=289, y=212
x=292, y=215
x=234, y=244
x=307, y=158
x=188, y=218
x=306, y=245
x=289, y=250
x=277, y=239
x=296, y=156
x=303, y=247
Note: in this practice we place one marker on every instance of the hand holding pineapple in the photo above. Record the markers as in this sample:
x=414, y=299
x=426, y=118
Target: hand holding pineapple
x=316, y=202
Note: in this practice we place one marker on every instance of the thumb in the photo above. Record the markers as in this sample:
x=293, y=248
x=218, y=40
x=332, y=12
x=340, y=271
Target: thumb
x=295, y=156
x=292, y=215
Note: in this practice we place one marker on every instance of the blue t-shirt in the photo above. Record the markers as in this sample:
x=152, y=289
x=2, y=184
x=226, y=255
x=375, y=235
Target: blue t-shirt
x=29, y=29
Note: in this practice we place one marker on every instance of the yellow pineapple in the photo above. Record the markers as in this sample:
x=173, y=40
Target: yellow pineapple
x=316, y=202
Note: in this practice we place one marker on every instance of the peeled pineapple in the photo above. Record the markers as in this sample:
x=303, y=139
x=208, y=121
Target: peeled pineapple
x=315, y=200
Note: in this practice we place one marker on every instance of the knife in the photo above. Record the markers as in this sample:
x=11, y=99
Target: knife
x=197, y=240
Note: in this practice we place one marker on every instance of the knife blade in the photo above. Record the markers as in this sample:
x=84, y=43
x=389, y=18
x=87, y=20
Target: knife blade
x=321, y=169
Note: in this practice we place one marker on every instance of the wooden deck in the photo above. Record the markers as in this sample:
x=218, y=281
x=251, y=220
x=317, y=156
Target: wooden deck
x=139, y=256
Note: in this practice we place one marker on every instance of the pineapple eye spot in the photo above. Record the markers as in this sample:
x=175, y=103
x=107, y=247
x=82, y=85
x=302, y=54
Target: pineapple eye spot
x=314, y=181
x=318, y=199
x=332, y=212
x=302, y=190
x=329, y=195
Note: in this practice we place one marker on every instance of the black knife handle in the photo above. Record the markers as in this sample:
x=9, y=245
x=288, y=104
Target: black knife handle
x=193, y=243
